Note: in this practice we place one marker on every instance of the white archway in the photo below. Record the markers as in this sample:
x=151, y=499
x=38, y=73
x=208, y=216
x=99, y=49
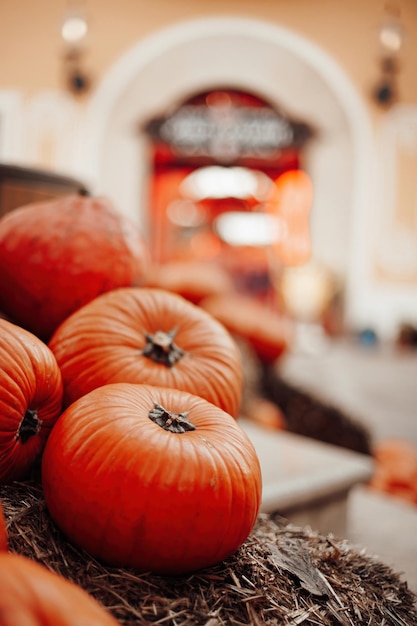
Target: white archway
x=281, y=66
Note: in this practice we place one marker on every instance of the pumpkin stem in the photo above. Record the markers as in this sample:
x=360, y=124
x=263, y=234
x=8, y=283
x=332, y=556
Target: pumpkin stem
x=168, y=420
x=160, y=347
x=29, y=426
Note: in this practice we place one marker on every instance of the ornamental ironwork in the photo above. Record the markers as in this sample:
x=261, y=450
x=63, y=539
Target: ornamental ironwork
x=228, y=133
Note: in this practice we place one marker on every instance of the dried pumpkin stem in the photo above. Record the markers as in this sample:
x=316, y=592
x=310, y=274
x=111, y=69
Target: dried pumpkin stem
x=168, y=420
x=160, y=347
x=29, y=426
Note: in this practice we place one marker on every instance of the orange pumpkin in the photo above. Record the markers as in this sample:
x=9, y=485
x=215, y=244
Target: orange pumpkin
x=396, y=469
x=32, y=595
x=31, y=394
x=266, y=331
x=194, y=280
x=152, y=478
x=141, y=335
x=265, y=413
x=57, y=255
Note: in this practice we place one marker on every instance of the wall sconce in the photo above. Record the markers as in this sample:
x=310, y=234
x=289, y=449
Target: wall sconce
x=74, y=32
x=391, y=39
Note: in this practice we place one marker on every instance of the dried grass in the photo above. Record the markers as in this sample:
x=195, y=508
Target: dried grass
x=282, y=575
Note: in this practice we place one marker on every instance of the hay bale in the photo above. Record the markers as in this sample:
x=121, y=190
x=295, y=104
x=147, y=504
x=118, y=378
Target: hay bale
x=281, y=575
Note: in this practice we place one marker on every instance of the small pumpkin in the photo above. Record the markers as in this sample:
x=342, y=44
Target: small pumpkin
x=152, y=478
x=396, y=468
x=144, y=335
x=194, y=280
x=265, y=413
x=32, y=595
x=267, y=331
x=31, y=393
x=57, y=255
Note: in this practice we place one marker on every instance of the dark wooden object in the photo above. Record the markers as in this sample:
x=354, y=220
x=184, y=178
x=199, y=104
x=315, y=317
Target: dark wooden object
x=22, y=185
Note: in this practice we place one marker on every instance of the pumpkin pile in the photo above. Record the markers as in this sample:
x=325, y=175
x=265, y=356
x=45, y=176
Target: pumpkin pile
x=119, y=398
x=121, y=459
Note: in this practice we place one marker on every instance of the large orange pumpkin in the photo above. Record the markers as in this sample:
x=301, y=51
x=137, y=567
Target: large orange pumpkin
x=31, y=394
x=32, y=595
x=57, y=255
x=142, y=335
x=152, y=478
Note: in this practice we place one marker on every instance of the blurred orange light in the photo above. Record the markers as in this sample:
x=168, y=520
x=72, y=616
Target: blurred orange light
x=291, y=200
x=205, y=245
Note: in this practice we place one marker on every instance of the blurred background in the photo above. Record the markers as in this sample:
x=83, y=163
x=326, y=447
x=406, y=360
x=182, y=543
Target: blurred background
x=131, y=99
x=268, y=151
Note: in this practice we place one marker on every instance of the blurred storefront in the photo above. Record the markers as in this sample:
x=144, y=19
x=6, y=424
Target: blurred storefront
x=354, y=105
x=216, y=160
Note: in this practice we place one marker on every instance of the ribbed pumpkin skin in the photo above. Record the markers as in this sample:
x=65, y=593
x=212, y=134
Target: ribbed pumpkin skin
x=104, y=341
x=135, y=495
x=56, y=256
x=32, y=595
x=30, y=379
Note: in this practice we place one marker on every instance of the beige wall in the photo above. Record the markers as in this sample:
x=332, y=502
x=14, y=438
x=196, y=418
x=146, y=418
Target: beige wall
x=30, y=46
x=356, y=217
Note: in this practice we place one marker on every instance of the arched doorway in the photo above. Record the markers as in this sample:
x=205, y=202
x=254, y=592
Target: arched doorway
x=156, y=74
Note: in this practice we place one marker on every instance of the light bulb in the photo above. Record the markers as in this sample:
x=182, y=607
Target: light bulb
x=74, y=29
x=391, y=36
